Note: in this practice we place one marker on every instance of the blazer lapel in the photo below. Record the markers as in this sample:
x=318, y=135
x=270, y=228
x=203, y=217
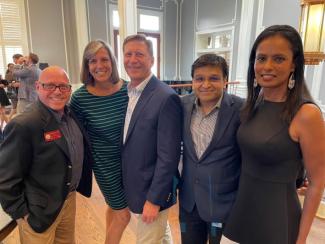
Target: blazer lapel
x=143, y=100
x=51, y=126
x=188, y=107
x=225, y=114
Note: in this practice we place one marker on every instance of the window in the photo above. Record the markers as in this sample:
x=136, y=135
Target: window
x=149, y=22
x=12, y=31
x=116, y=20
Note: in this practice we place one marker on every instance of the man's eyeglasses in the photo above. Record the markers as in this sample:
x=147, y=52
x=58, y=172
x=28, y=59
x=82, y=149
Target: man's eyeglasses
x=52, y=87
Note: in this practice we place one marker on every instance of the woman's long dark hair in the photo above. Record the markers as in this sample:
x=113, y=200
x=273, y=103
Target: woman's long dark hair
x=298, y=93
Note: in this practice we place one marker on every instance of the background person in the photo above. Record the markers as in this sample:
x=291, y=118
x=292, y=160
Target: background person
x=281, y=130
x=100, y=105
x=27, y=75
x=4, y=101
x=12, y=91
x=211, y=157
x=44, y=159
x=16, y=58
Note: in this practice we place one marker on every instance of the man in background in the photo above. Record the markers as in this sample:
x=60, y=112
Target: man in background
x=18, y=58
x=27, y=73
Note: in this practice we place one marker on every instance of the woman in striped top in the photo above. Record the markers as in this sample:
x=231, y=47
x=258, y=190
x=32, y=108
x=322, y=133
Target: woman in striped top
x=100, y=104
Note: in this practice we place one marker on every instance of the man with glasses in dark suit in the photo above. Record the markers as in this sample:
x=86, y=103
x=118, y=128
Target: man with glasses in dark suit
x=44, y=160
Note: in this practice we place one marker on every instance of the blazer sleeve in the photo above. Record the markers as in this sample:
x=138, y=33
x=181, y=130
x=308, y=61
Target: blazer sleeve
x=22, y=73
x=15, y=161
x=168, y=150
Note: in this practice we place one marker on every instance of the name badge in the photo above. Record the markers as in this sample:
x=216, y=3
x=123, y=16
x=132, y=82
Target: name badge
x=52, y=135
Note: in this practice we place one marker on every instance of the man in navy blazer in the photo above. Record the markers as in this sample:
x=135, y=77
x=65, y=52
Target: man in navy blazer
x=211, y=157
x=152, y=139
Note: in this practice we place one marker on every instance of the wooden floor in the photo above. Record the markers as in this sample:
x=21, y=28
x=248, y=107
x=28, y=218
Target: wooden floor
x=90, y=224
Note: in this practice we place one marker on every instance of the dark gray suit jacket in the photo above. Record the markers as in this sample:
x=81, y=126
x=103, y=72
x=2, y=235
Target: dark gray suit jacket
x=27, y=76
x=151, y=151
x=211, y=182
x=35, y=172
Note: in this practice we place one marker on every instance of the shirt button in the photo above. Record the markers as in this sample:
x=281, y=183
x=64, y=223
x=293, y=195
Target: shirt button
x=68, y=184
x=69, y=166
x=197, y=181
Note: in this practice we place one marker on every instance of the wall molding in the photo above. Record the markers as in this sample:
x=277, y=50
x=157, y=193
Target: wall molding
x=245, y=32
x=232, y=22
x=317, y=81
x=107, y=21
x=161, y=7
x=260, y=15
x=88, y=20
x=177, y=47
x=65, y=39
x=81, y=18
x=179, y=31
x=316, y=86
x=29, y=27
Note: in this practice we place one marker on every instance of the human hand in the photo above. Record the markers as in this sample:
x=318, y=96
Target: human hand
x=26, y=217
x=2, y=86
x=23, y=218
x=16, y=84
x=302, y=190
x=150, y=212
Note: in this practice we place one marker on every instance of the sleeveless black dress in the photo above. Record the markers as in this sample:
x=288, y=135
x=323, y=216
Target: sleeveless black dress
x=267, y=209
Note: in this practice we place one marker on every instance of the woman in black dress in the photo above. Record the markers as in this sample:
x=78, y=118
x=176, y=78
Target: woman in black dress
x=282, y=129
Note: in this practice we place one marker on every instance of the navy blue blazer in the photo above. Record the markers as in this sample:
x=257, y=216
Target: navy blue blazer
x=151, y=150
x=211, y=182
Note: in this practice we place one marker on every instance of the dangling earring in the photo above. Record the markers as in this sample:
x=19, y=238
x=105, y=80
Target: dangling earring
x=291, y=83
x=255, y=83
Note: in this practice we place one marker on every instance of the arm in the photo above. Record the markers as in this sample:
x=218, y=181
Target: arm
x=309, y=128
x=15, y=160
x=168, y=154
x=22, y=73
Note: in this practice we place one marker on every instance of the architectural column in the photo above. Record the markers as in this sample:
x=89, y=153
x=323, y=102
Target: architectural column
x=179, y=40
x=317, y=81
x=81, y=27
x=245, y=33
x=319, y=72
x=127, y=10
x=259, y=21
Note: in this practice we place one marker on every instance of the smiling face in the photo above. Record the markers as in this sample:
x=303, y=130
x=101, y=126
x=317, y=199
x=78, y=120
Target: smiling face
x=274, y=64
x=208, y=84
x=100, y=66
x=56, y=99
x=137, y=61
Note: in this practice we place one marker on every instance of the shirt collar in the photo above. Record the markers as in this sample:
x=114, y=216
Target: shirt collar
x=139, y=88
x=59, y=117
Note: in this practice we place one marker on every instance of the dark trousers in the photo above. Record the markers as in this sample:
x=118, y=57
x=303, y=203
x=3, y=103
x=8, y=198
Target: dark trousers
x=196, y=230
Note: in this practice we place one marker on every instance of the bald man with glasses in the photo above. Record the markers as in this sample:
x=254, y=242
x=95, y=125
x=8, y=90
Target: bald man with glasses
x=44, y=160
